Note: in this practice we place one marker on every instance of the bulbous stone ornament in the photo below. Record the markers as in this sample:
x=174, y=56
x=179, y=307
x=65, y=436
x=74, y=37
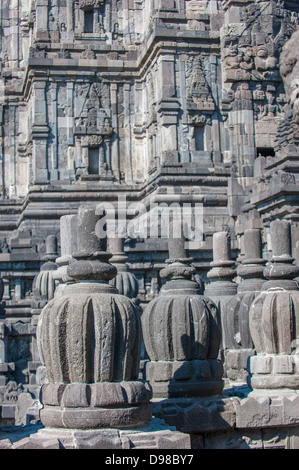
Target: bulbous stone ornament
x=274, y=318
x=89, y=340
x=125, y=281
x=182, y=333
x=238, y=342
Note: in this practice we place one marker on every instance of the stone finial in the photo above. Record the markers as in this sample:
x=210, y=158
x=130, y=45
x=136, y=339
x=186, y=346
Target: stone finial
x=222, y=271
x=125, y=281
x=91, y=258
x=68, y=245
x=44, y=283
x=251, y=269
x=281, y=271
x=89, y=341
x=222, y=288
x=273, y=317
x=238, y=344
x=181, y=331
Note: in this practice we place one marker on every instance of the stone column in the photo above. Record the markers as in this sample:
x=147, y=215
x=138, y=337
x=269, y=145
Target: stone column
x=182, y=333
x=89, y=341
x=222, y=288
x=68, y=245
x=274, y=318
x=125, y=281
x=238, y=345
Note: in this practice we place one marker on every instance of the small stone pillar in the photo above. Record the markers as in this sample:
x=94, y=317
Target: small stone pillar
x=222, y=288
x=125, y=281
x=89, y=341
x=238, y=342
x=68, y=245
x=274, y=318
x=181, y=331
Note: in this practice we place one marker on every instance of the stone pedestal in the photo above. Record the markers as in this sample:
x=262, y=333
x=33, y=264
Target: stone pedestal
x=154, y=435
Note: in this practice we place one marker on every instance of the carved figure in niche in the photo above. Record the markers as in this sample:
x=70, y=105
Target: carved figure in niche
x=289, y=69
x=232, y=58
x=263, y=61
x=12, y=391
x=270, y=110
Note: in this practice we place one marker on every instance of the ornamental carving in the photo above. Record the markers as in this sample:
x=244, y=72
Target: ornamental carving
x=90, y=4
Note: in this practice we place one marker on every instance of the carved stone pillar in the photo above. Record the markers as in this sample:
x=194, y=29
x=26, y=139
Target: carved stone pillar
x=89, y=341
x=238, y=342
x=182, y=333
x=274, y=318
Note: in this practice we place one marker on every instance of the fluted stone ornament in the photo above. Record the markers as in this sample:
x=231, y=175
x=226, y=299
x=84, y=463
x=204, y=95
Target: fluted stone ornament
x=238, y=342
x=274, y=318
x=89, y=340
x=182, y=334
x=125, y=281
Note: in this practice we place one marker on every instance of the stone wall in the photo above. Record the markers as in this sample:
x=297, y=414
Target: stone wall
x=163, y=102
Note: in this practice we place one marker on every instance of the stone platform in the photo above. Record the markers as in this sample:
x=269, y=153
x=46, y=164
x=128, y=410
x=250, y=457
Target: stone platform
x=155, y=435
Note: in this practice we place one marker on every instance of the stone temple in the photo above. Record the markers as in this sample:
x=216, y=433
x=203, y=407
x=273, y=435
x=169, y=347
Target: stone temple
x=134, y=114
